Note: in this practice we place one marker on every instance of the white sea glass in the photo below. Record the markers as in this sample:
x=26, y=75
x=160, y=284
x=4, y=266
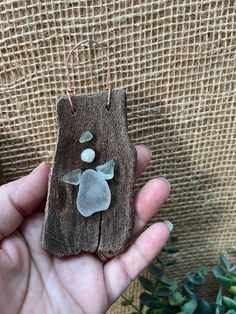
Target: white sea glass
x=107, y=170
x=73, y=177
x=88, y=155
x=94, y=193
x=86, y=137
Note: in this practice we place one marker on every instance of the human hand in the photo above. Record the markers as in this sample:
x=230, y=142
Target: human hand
x=33, y=281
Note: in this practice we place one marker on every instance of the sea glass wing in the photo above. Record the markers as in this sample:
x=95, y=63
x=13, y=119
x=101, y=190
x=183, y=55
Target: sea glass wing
x=73, y=177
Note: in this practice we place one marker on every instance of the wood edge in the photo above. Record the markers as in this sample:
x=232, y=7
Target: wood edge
x=42, y=237
x=46, y=211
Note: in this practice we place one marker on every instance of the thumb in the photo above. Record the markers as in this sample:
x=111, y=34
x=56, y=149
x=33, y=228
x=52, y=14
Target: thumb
x=21, y=197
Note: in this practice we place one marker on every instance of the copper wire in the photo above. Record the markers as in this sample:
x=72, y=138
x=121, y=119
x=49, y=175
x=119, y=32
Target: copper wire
x=69, y=89
x=104, y=259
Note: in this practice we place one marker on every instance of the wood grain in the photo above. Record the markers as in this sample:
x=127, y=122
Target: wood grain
x=65, y=230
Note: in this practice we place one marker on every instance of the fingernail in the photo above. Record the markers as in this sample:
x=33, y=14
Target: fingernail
x=149, y=151
x=146, y=148
x=169, y=225
x=166, y=181
x=39, y=166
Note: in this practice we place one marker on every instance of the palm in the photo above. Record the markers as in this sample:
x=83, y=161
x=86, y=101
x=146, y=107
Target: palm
x=47, y=282
x=33, y=281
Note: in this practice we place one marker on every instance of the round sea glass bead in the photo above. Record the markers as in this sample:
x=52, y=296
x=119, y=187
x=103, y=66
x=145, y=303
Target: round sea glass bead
x=88, y=155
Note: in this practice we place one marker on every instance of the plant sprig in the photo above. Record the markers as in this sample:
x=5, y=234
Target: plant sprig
x=163, y=295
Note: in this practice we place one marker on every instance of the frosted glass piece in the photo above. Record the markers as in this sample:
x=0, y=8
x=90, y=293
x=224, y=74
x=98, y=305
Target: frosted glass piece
x=94, y=194
x=107, y=170
x=88, y=155
x=73, y=177
x=86, y=137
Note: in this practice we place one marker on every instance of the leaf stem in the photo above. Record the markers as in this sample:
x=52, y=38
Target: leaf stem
x=132, y=304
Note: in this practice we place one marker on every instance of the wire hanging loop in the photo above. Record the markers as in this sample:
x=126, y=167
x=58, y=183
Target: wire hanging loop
x=69, y=89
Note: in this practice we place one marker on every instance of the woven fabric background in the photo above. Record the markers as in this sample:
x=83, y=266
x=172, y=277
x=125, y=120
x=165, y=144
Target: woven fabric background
x=176, y=59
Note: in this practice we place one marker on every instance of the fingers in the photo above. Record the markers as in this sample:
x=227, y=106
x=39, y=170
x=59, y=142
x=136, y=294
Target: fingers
x=21, y=197
x=143, y=158
x=120, y=271
x=148, y=200
x=154, y=193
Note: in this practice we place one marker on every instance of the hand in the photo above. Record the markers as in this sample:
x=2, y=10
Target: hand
x=33, y=281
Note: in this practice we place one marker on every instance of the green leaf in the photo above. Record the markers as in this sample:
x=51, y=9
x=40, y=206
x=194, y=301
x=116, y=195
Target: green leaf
x=174, y=286
x=151, y=301
x=127, y=302
x=229, y=302
x=140, y=307
x=158, y=260
x=163, y=292
x=160, y=311
x=171, y=249
x=218, y=271
x=202, y=271
x=193, y=280
x=219, y=297
x=173, y=238
x=163, y=311
x=156, y=271
x=176, y=299
x=199, y=278
x=226, y=281
x=232, y=290
x=231, y=312
x=167, y=282
x=146, y=283
x=204, y=307
x=188, y=290
x=224, y=261
x=190, y=306
x=169, y=262
x=232, y=271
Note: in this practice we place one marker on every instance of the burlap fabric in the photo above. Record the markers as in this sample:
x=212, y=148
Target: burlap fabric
x=176, y=61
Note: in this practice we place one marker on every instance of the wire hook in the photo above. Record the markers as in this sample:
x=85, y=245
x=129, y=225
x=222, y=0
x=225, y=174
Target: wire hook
x=108, y=79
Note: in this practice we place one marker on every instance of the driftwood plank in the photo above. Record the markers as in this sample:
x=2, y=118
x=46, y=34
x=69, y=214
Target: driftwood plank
x=65, y=230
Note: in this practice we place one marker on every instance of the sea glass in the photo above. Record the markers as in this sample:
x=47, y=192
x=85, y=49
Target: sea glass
x=88, y=155
x=73, y=177
x=94, y=193
x=106, y=170
x=85, y=137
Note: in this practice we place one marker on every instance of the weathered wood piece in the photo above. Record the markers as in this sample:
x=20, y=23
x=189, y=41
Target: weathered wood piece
x=65, y=230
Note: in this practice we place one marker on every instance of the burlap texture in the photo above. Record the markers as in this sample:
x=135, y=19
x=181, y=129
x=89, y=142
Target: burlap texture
x=176, y=61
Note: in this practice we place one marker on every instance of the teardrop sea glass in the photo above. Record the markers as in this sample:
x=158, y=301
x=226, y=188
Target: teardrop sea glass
x=107, y=170
x=85, y=137
x=73, y=177
x=94, y=194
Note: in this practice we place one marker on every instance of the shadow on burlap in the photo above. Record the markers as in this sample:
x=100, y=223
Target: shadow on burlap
x=176, y=61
